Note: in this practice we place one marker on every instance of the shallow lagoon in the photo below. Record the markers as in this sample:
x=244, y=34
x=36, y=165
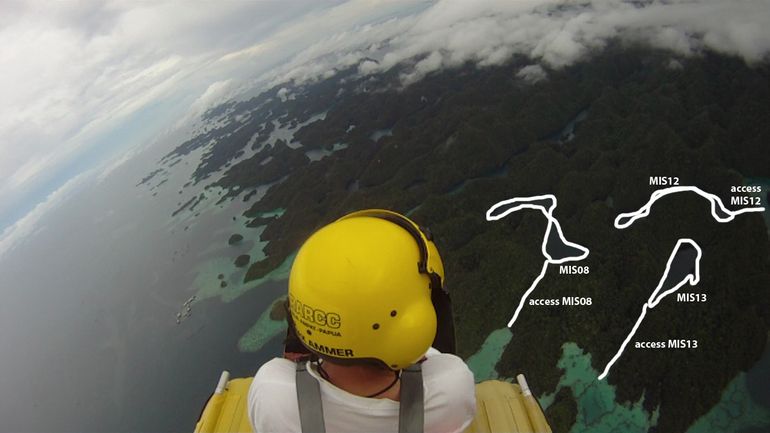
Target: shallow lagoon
x=598, y=410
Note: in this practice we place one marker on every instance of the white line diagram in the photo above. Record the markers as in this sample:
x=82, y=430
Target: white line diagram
x=718, y=209
x=685, y=262
x=555, y=247
x=683, y=265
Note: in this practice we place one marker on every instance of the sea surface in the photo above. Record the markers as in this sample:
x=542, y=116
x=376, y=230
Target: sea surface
x=88, y=318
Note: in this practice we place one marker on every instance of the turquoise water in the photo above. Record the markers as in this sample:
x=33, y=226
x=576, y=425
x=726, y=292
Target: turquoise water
x=598, y=410
x=376, y=135
x=273, y=213
x=482, y=363
x=319, y=154
x=735, y=412
x=207, y=282
x=264, y=330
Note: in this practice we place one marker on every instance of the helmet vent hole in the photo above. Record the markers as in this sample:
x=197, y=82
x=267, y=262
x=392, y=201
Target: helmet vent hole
x=393, y=313
x=393, y=366
x=376, y=326
x=308, y=332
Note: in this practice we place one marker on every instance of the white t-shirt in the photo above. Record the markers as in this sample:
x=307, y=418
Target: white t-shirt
x=450, y=400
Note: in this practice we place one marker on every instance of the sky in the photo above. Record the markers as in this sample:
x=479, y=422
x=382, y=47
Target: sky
x=85, y=85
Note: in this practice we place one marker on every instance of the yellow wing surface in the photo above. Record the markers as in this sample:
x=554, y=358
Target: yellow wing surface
x=500, y=407
x=226, y=409
x=504, y=407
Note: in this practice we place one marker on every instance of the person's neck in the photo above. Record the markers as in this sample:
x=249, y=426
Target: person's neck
x=362, y=380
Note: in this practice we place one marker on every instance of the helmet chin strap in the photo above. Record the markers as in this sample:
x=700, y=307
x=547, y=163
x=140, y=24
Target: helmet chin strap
x=444, y=341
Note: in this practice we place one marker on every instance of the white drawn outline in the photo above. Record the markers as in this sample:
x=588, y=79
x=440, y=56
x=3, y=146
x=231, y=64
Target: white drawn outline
x=715, y=201
x=552, y=222
x=655, y=299
x=692, y=279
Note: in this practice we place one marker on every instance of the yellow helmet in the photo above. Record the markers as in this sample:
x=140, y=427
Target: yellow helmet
x=360, y=288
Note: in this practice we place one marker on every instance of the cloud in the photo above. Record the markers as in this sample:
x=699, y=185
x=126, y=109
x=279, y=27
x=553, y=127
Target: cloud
x=216, y=93
x=326, y=39
x=552, y=33
x=430, y=63
x=282, y=94
x=21, y=230
x=532, y=73
x=76, y=73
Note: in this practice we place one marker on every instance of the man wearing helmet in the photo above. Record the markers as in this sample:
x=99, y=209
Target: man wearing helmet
x=367, y=302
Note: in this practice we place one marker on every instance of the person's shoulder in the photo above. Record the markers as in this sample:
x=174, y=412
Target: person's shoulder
x=275, y=376
x=272, y=399
x=442, y=363
x=277, y=369
x=448, y=372
x=450, y=399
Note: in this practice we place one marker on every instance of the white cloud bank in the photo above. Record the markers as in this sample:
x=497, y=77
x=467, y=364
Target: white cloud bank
x=16, y=233
x=554, y=33
x=74, y=72
x=77, y=78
